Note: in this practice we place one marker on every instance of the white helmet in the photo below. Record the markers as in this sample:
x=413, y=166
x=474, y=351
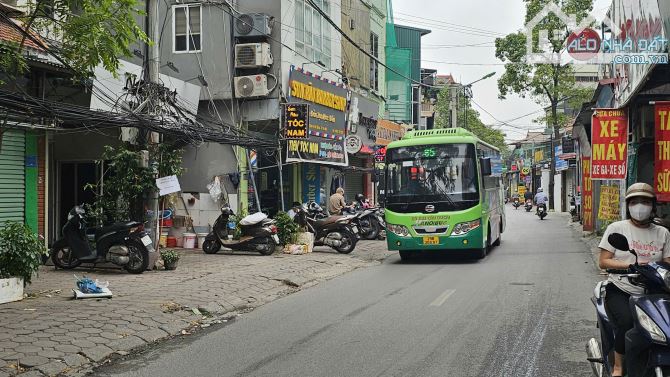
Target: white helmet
x=539, y=190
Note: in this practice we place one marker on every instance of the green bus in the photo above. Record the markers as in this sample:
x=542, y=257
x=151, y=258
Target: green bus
x=443, y=192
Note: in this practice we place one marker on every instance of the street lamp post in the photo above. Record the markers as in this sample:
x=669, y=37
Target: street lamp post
x=467, y=93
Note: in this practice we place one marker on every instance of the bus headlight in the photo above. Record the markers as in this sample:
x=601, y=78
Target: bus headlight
x=400, y=230
x=648, y=324
x=463, y=228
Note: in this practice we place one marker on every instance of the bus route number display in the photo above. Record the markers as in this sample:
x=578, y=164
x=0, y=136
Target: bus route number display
x=296, y=120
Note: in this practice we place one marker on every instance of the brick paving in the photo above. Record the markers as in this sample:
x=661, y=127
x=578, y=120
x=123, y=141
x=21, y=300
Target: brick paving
x=51, y=334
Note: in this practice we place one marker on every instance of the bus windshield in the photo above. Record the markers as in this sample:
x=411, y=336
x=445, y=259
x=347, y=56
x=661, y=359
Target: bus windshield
x=439, y=173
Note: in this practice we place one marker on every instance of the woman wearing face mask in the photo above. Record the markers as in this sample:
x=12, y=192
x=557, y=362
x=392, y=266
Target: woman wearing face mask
x=650, y=241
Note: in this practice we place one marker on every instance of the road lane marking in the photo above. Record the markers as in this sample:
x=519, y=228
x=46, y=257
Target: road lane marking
x=442, y=298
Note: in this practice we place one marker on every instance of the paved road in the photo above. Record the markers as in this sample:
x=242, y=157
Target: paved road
x=523, y=311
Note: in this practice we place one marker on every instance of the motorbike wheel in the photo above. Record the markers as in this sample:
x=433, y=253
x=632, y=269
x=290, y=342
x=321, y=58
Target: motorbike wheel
x=139, y=258
x=269, y=246
x=349, y=240
x=211, y=246
x=63, y=257
x=373, y=230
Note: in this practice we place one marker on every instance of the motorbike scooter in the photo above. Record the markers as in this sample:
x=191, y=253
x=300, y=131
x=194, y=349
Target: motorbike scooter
x=338, y=232
x=124, y=244
x=258, y=233
x=542, y=210
x=367, y=221
x=529, y=205
x=516, y=203
x=648, y=343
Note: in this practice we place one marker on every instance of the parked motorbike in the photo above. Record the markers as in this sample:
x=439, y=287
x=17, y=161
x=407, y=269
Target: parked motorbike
x=258, y=233
x=368, y=221
x=542, y=210
x=529, y=205
x=124, y=244
x=516, y=203
x=337, y=232
x=648, y=343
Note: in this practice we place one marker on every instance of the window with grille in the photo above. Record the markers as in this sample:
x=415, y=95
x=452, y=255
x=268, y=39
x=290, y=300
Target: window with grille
x=187, y=26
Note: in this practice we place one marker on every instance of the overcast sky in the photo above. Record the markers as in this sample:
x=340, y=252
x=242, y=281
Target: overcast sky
x=455, y=23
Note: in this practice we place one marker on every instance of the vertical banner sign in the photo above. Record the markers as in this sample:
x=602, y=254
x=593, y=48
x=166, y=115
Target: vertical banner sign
x=587, y=195
x=608, y=209
x=609, y=137
x=311, y=176
x=296, y=120
x=662, y=152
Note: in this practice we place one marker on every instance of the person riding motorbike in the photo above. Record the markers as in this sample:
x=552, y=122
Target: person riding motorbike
x=652, y=244
x=540, y=198
x=528, y=196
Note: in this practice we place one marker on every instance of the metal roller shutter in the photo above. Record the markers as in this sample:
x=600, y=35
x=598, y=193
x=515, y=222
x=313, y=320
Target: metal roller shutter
x=353, y=180
x=12, y=176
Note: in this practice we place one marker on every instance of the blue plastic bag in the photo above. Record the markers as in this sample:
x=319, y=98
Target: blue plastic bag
x=87, y=285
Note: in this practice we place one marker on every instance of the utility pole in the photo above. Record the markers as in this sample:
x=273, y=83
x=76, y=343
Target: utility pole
x=153, y=77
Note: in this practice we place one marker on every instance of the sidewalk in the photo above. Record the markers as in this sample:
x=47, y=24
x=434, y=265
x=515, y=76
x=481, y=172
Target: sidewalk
x=589, y=238
x=50, y=334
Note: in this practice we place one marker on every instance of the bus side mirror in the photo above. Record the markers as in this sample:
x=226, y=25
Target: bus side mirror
x=485, y=163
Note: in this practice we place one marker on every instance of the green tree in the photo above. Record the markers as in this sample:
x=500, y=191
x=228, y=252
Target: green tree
x=549, y=83
x=473, y=122
x=86, y=33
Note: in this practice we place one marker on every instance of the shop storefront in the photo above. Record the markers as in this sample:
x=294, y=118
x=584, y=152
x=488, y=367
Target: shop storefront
x=320, y=150
x=360, y=145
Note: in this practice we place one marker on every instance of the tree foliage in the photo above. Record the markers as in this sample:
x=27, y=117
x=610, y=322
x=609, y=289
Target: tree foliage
x=548, y=84
x=127, y=181
x=473, y=122
x=21, y=251
x=83, y=34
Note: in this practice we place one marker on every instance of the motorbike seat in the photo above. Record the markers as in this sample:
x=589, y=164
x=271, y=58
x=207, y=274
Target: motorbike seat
x=253, y=219
x=115, y=228
x=328, y=220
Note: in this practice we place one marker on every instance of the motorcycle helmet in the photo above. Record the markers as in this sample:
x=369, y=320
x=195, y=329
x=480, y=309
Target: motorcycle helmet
x=360, y=197
x=314, y=207
x=540, y=189
x=640, y=189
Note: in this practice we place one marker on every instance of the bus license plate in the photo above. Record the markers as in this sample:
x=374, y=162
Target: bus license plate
x=431, y=240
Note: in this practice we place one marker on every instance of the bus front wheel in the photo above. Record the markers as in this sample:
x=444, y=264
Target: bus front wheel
x=481, y=253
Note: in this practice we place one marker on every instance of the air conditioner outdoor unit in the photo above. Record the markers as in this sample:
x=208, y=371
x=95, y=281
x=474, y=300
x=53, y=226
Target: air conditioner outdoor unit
x=251, y=86
x=252, y=55
x=253, y=25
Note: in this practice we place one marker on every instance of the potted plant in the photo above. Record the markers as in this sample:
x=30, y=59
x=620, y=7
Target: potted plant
x=170, y=258
x=21, y=253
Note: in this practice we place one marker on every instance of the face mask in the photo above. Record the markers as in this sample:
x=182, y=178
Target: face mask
x=640, y=212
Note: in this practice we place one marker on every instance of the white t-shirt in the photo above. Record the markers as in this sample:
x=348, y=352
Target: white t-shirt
x=651, y=244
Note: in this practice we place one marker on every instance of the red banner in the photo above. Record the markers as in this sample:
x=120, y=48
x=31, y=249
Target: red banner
x=662, y=151
x=587, y=195
x=609, y=140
